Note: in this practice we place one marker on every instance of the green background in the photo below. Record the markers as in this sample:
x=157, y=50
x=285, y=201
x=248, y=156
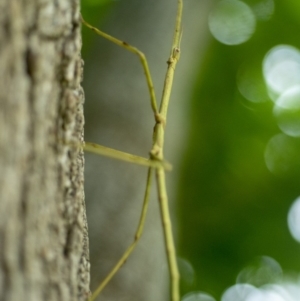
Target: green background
x=230, y=208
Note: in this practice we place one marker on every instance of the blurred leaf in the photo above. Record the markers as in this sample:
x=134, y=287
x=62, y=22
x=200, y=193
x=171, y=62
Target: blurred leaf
x=232, y=208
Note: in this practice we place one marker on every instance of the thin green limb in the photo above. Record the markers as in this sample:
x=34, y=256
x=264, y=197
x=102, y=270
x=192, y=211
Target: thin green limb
x=172, y=62
x=169, y=241
x=178, y=27
x=139, y=54
x=115, y=154
x=157, y=152
x=137, y=237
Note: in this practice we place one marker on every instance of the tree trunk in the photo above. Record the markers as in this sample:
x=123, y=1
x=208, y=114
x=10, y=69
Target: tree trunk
x=43, y=230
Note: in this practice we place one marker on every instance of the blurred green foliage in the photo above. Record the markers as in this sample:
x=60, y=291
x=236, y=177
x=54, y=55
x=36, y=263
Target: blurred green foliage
x=231, y=208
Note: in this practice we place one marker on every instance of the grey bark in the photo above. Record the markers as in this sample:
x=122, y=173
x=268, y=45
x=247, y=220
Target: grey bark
x=43, y=231
x=118, y=115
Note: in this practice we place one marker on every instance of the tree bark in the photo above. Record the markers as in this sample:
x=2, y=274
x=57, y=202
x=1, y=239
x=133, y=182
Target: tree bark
x=43, y=230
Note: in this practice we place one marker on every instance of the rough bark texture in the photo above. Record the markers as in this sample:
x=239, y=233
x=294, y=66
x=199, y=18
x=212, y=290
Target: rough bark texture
x=43, y=231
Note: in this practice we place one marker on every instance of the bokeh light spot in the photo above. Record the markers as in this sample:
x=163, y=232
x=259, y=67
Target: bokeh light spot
x=281, y=69
x=186, y=270
x=287, y=111
x=261, y=271
x=274, y=292
x=264, y=10
x=294, y=219
x=232, y=22
x=198, y=296
x=282, y=154
x=238, y=292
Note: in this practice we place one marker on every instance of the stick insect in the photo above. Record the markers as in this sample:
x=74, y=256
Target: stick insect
x=156, y=163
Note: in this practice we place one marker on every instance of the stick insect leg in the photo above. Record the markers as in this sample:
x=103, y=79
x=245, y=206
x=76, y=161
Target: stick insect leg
x=137, y=236
x=119, y=155
x=142, y=59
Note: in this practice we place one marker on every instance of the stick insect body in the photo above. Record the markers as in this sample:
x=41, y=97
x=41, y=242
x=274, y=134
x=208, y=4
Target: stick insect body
x=156, y=163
